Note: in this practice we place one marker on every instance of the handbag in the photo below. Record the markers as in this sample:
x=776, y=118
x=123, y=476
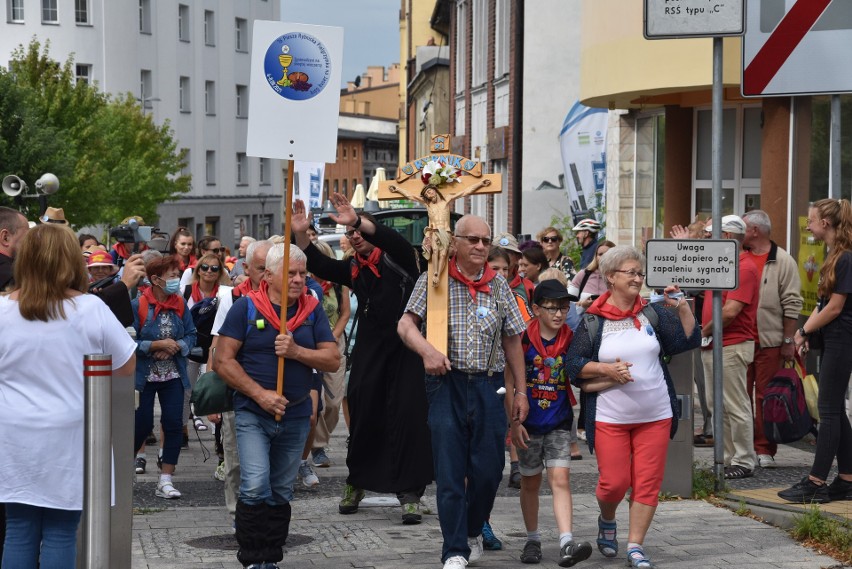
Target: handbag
x=211, y=395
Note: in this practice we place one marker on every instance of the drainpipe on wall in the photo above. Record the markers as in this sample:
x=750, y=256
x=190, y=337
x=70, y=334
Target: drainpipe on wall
x=518, y=123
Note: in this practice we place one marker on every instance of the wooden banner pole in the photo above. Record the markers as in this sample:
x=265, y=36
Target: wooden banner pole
x=285, y=267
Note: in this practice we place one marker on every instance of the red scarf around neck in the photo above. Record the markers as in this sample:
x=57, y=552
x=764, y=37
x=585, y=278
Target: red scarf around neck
x=243, y=288
x=612, y=312
x=371, y=262
x=173, y=302
x=122, y=251
x=188, y=264
x=304, y=306
x=482, y=285
x=198, y=295
x=326, y=286
x=557, y=348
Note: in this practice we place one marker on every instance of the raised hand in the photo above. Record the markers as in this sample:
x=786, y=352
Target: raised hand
x=346, y=214
x=299, y=221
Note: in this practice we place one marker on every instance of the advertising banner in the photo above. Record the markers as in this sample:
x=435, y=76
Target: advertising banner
x=583, y=143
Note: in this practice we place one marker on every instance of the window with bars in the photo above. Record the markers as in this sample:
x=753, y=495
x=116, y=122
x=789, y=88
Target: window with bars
x=83, y=73
x=16, y=10
x=81, y=12
x=49, y=12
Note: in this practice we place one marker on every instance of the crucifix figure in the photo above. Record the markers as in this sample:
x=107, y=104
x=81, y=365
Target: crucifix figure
x=438, y=230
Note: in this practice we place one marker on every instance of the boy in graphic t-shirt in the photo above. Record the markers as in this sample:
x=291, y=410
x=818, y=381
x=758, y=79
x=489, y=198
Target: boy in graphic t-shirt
x=543, y=439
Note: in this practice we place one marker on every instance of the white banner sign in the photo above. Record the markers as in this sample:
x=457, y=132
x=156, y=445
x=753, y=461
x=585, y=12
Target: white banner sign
x=294, y=99
x=307, y=183
x=583, y=143
x=692, y=18
x=706, y=264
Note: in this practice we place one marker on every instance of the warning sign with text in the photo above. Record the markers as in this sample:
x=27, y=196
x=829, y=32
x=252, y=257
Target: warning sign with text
x=706, y=264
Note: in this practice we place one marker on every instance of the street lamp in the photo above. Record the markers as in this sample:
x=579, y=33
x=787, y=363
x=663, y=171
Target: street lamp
x=145, y=102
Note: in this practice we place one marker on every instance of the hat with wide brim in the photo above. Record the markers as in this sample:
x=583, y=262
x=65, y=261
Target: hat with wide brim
x=54, y=215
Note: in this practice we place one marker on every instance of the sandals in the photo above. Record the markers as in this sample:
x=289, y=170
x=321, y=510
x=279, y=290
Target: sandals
x=735, y=472
x=607, y=547
x=636, y=558
x=199, y=424
x=166, y=491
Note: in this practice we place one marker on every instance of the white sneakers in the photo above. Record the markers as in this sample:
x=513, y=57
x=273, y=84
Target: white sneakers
x=455, y=562
x=475, y=544
x=766, y=461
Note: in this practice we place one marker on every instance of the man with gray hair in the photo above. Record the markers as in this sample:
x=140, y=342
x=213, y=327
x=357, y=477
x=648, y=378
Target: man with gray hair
x=778, y=307
x=13, y=226
x=739, y=310
x=242, y=259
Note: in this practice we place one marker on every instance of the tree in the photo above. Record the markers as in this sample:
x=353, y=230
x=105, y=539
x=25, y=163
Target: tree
x=112, y=161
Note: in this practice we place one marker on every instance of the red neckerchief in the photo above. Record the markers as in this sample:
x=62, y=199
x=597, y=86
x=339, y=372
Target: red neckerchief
x=243, y=288
x=326, y=286
x=528, y=285
x=198, y=295
x=371, y=262
x=557, y=348
x=473, y=286
x=173, y=302
x=612, y=312
x=304, y=306
x=189, y=263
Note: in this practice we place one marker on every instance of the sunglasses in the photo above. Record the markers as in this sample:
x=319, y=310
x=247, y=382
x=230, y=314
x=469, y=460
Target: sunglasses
x=352, y=232
x=212, y=268
x=473, y=239
x=216, y=250
x=551, y=239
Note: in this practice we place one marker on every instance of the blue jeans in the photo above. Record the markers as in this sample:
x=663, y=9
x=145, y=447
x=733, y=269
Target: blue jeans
x=32, y=530
x=468, y=425
x=270, y=453
x=171, y=403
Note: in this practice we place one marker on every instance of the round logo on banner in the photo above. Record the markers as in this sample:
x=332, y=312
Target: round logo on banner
x=297, y=66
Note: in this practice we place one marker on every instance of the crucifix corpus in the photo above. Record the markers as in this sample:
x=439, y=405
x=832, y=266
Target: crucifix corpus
x=443, y=178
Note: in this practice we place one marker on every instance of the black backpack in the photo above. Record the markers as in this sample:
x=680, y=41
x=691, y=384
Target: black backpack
x=785, y=410
x=203, y=315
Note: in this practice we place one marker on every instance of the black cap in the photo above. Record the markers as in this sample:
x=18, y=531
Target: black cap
x=550, y=289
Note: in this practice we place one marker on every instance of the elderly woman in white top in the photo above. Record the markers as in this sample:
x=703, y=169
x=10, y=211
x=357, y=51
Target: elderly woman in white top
x=630, y=416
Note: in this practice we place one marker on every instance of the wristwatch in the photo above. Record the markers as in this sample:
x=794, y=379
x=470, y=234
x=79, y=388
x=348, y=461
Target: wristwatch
x=802, y=332
x=788, y=340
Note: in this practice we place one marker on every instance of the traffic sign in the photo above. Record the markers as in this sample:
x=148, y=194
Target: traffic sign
x=666, y=19
x=706, y=264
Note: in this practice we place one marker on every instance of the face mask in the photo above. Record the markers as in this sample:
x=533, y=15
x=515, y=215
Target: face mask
x=172, y=286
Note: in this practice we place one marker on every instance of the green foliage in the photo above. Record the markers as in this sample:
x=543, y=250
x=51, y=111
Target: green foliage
x=815, y=526
x=703, y=482
x=112, y=161
x=570, y=248
x=742, y=509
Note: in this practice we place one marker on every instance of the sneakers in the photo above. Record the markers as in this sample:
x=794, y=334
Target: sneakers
x=515, y=477
x=351, y=498
x=607, y=538
x=219, y=473
x=455, y=562
x=475, y=544
x=572, y=553
x=307, y=475
x=532, y=552
x=806, y=491
x=636, y=558
x=840, y=489
x=166, y=490
x=489, y=540
x=141, y=463
x=320, y=459
x=411, y=514
x=766, y=461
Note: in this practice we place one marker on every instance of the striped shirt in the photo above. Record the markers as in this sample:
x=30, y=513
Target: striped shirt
x=473, y=325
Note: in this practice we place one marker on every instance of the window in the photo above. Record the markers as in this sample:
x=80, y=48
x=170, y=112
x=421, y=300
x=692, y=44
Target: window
x=344, y=152
x=49, y=13
x=242, y=101
x=210, y=97
x=346, y=188
x=461, y=44
x=209, y=28
x=264, y=171
x=210, y=168
x=83, y=73
x=183, y=22
x=145, y=86
x=16, y=10
x=241, y=39
x=183, y=95
x=502, y=38
x=145, y=16
x=185, y=170
x=242, y=169
x=81, y=11
x=354, y=152
x=479, y=51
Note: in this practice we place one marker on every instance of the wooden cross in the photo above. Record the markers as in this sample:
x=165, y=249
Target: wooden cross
x=437, y=181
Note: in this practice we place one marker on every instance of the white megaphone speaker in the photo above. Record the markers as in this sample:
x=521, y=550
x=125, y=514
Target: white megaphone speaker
x=13, y=186
x=47, y=184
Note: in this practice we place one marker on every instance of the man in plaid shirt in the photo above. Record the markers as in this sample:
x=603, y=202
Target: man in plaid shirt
x=466, y=415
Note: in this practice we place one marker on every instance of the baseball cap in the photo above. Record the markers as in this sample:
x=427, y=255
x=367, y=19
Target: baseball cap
x=550, y=289
x=507, y=241
x=100, y=259
x=731, y=224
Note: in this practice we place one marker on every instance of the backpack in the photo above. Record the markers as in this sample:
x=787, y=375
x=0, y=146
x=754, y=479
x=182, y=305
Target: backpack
x=203, y=315
x=785, y=410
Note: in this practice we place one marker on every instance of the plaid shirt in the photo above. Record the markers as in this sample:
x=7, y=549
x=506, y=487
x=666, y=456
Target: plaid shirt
x=474, y=325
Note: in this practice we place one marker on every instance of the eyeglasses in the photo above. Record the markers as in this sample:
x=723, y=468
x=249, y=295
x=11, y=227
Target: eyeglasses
x=216, y=250
x=352, y=232
x=552, y=310
x=212, y=268
x=473, y=239
x=632, y=274
x=551, y=239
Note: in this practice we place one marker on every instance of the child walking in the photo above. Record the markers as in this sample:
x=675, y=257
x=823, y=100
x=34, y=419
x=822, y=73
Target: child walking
x=543, y=439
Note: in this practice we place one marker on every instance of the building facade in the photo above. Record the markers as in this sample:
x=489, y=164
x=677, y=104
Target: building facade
x=186, y=63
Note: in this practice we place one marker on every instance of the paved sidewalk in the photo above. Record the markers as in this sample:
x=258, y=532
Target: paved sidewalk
x=196, y=532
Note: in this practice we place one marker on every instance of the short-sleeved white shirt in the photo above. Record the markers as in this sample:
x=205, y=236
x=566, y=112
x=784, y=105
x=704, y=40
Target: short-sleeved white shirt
x=42, y=398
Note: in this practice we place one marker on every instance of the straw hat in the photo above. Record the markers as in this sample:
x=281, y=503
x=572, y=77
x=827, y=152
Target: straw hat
x=54, y=215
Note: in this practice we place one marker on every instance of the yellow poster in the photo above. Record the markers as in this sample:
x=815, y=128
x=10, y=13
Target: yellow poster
x=811, y=257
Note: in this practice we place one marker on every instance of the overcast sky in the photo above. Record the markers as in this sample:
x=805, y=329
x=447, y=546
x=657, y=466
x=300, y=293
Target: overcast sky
x=371, y=29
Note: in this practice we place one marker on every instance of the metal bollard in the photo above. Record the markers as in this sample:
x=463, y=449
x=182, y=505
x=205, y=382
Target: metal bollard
x=97, y=470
